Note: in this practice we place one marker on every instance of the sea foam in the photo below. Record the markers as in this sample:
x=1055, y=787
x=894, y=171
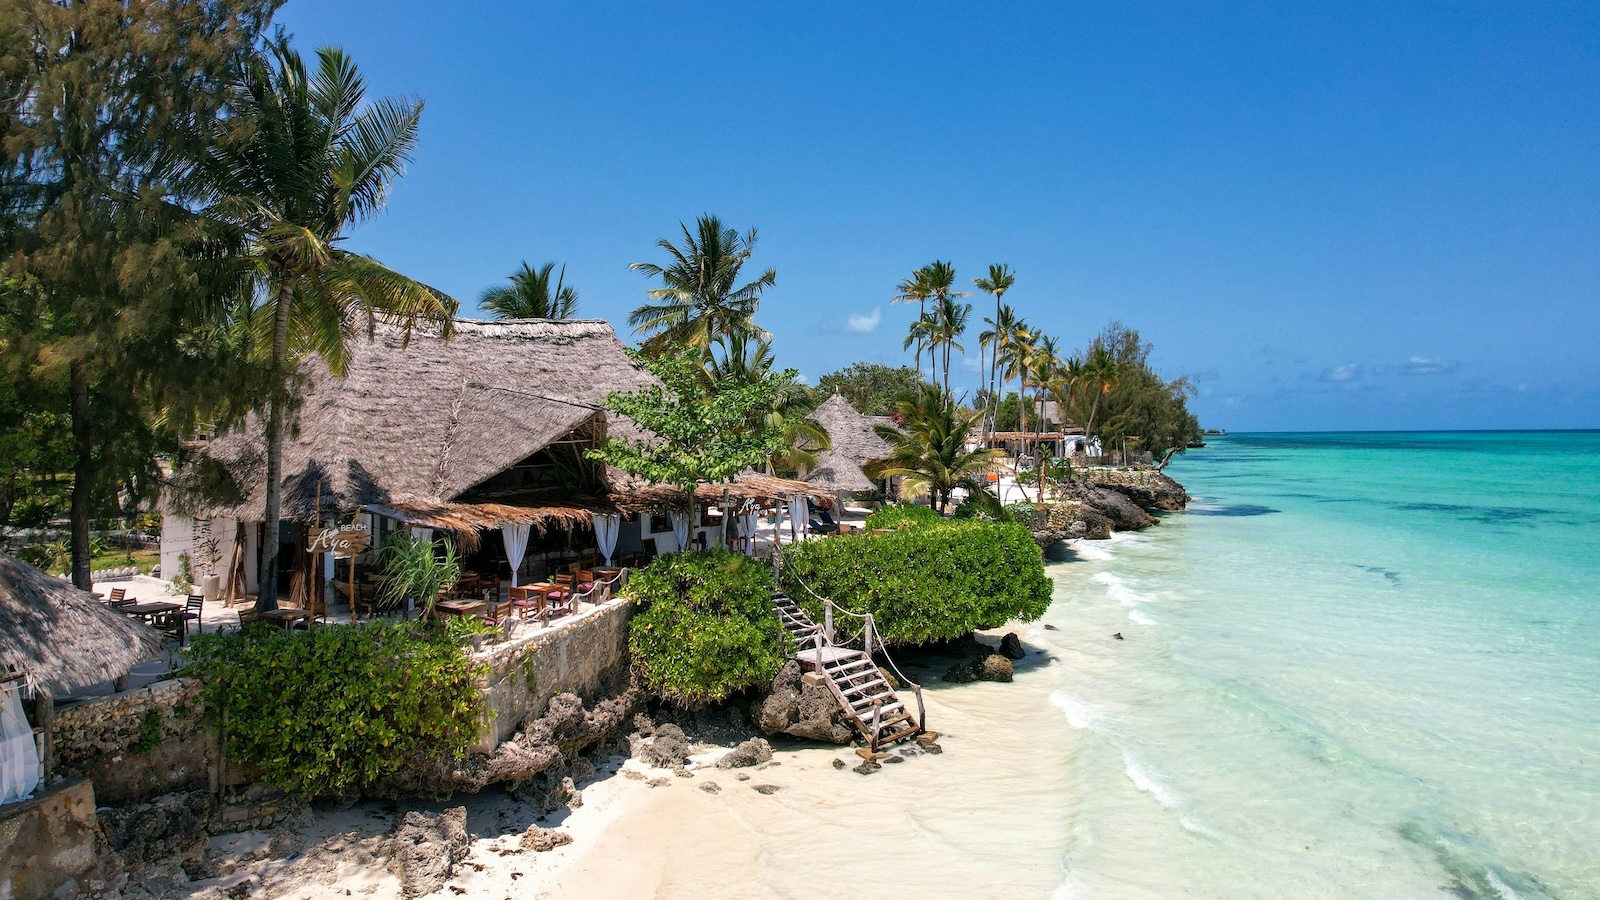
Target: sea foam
x=1118, y=590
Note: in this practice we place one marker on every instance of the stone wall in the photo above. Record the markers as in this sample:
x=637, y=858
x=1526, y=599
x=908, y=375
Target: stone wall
x=49, y=846
x=583, y=655
x=137, y=744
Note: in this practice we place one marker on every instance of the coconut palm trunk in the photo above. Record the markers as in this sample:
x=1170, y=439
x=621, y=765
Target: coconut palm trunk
x=267, y=579
x=82, y=474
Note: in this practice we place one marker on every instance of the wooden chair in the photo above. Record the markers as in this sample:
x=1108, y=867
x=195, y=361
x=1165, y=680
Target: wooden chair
x=118, y=595
x=192, y=608
x=246, y=616
x=499, y=611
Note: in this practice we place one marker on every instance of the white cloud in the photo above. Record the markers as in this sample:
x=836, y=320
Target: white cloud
x=865, y=324
x=1427, y=365
x=1346, y=372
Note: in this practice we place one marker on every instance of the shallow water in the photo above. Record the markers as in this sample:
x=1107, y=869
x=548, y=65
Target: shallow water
x=1359, y=666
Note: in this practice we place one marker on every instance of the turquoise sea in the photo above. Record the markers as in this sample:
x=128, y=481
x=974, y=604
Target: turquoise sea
x=1360, y=665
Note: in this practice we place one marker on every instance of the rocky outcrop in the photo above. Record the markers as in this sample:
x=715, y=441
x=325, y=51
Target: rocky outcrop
x=1011, y=646
x=1145, y=487
x=427, y=847
x=1065, y=520
x=980, y=662
x=800, y=709
x=748, y=753
x=665, y=747
x=548, y=743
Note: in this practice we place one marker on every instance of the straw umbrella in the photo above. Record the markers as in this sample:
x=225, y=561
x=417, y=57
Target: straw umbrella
x=63, y=638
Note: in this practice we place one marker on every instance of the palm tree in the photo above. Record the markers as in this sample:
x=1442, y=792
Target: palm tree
x=1014, y=349
x=921, y=333
x=915, y=290
x=1001, y=337
x=699, y=301
x=1101, y=371
x=301, y=160
x=999, y=280
x=529, y=295
x=928, y=451
x=949, y=323
x=1042, y=367
x=749, y=360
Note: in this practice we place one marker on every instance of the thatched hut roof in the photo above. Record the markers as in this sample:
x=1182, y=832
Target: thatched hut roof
x=748, y=486
x=416, y=424
x=855, y=443
x=62, y=637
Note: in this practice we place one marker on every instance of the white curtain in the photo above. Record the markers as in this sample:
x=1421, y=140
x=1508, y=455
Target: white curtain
x=799, y=517
x=19, y=758
x=516, y=538
x=606, y=527
x=680, y=528
x=747, y=532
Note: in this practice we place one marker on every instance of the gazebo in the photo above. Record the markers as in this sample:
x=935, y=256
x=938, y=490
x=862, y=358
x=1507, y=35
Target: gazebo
x=59, y=640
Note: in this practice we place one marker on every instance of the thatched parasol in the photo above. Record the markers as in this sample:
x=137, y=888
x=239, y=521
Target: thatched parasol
x=854, y=444
x=62, y=637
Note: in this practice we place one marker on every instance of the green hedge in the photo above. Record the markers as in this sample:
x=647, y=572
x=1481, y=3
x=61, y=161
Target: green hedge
x=705, y=627
x=903, y=514
x=328, y=709
x=928, y=583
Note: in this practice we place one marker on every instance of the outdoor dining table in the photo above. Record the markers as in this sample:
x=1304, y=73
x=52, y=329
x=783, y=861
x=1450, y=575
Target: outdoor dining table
x=148, y=609
x=461, y=607
x=286, y=615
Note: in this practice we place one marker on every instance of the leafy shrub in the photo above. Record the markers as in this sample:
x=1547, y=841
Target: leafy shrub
x=935, y=582
x=982, y=505
x=415, y=569
x=327, y=709
x=903, y=514
x=705, y=628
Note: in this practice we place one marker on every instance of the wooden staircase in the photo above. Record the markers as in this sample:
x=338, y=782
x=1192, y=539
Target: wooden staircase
x=851, y=674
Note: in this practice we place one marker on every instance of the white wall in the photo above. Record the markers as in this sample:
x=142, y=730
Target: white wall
x=199, y=538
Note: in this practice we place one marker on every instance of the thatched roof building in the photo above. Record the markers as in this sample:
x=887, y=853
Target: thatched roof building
x=62, y=637
x=855, y=443
x=484, y=429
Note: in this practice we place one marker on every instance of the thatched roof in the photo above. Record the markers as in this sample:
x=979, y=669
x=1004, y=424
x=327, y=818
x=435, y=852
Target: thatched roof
x=748, y=486
x=62, y=637
x=855, y=443
x=413, y=426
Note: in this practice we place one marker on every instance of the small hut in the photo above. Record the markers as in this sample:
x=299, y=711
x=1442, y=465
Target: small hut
x=839, y=469
x=63, y=640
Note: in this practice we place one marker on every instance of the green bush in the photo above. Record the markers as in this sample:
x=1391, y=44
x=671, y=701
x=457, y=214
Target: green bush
x=705, y=628
x=903, y=514
x=328, y=709
x=931, y=583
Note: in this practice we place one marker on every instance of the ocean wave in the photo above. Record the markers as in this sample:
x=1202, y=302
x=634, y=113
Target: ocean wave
x=1118, y=590
x=1092, y=551
x=1140, y=617
x=1079, y=715
x=1145, y=779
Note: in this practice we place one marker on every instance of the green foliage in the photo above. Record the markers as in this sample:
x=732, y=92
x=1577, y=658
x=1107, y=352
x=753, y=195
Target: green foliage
x=150, y=733
x=872, y=388
x=902, y=514
x=698, y=300
x=327, y=709
x=982, y=505
x=416, y=569
x=928, y=583
x=51, y=557
x=928, y=452
x=530, y=296
x=705, y=428
x=1132, y=401
x=706, y=627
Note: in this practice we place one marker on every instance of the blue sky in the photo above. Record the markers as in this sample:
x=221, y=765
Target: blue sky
x=1380, y=216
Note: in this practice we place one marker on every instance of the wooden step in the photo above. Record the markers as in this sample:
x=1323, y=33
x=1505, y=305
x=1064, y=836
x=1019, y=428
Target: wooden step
x=872, y=685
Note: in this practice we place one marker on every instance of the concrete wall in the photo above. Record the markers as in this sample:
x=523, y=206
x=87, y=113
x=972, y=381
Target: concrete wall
x=97, y=739
x=49, y=846
x=201, y=540
x=580, y=656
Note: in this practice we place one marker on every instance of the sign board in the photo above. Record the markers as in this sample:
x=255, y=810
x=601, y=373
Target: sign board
x=346, y=539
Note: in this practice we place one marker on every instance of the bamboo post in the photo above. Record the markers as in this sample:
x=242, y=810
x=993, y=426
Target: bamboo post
x=44, y=709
